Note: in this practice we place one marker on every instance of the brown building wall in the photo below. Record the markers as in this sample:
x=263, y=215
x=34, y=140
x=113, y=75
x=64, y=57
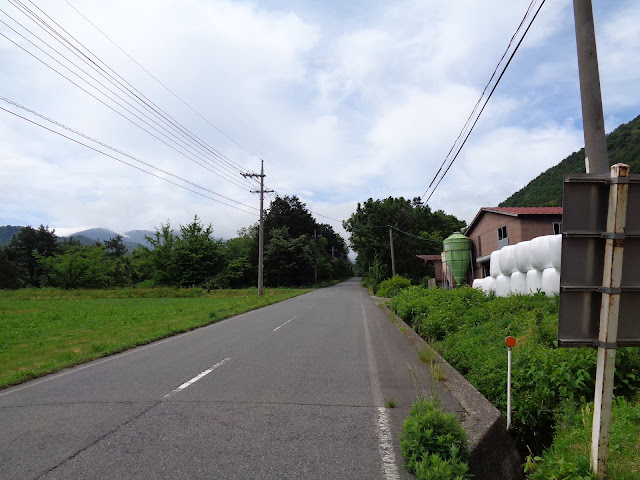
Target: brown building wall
x=484, y=235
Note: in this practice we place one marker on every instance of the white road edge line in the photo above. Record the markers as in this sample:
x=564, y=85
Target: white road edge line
x=284, y=324
x=385, y=437
x=196, y=378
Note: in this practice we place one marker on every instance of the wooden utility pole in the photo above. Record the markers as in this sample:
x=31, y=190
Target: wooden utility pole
x=595, y=141
x=393, y=257
x=262, y=191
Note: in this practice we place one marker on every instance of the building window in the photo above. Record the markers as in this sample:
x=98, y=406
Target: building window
x=503, y=240
x=557, y=228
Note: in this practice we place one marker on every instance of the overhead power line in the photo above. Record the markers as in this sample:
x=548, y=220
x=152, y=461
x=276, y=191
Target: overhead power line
x=162, y=84
x=469, y=124
x=171, y=133
x=121, y=153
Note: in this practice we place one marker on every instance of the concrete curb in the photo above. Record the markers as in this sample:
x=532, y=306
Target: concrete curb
x=493, y=454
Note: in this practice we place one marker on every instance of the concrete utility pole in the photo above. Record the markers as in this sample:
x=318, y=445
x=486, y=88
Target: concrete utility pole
x=595, y=142
x=315, y=257
x=393, y=257
x=262, y=191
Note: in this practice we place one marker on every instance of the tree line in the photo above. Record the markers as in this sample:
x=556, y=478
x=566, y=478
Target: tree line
x=417, y=230
x=298, y=251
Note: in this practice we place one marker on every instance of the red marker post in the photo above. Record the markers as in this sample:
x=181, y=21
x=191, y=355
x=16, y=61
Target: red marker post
x=511, y=342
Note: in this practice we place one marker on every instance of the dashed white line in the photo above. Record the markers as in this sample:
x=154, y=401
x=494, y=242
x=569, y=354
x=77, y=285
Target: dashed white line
x=284, y=324
x=196, y=378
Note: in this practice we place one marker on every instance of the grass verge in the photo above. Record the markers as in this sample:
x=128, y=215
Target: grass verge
x=45, y=330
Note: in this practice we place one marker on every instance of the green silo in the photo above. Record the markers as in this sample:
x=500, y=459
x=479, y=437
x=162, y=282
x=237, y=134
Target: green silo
x=457, y=250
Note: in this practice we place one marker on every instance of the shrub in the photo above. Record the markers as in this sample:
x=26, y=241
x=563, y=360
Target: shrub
x=393, y=286
x=569, y=457
x=433, y=443
x=468, y=329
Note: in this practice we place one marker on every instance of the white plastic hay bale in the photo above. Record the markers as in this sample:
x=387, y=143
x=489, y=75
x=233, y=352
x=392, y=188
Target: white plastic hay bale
x=555, y=248
x=494, y=264
x=550, y=281
x=477, y=283
x=503, y=285
x=508, y=260
x=489, y=284
x=534, y=281
x=519, y=283
x=523, y=256
x=540, y=253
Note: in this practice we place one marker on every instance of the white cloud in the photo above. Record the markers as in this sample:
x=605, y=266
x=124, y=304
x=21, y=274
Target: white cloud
x=341, y=107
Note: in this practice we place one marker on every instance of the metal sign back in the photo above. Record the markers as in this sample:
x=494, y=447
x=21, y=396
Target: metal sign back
x=585, y=206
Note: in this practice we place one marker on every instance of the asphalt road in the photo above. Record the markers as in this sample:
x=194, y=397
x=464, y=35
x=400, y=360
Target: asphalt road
x=294, y=390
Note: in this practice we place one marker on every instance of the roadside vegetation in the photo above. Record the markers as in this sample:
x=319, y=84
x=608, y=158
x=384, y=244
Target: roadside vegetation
x=433, y=443
x=552, y=388
x=298, y=251
x=45, y=330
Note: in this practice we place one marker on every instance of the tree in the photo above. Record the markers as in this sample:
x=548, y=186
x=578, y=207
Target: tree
x=115, y=247
x=159, y=261
x=198, y=256
x=77, y=267
x=22, y=249
x=416, y=229
x=288, y=261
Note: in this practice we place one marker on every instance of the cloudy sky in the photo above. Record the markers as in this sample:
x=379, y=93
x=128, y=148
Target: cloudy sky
x=344, y=100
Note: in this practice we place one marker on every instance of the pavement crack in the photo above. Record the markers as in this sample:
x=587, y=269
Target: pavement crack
x=99, y=439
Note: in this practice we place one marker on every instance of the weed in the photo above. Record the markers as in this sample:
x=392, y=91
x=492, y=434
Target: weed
x=433, y=443
x=390, y=403
x=436, y=372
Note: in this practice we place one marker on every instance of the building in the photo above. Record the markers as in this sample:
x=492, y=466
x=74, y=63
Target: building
x=494, y=227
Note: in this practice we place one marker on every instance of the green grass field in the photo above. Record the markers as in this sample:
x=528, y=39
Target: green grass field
x=46, y=330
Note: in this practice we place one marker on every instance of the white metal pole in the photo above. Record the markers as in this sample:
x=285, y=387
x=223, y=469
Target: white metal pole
x=608, y=333
x=509, y=388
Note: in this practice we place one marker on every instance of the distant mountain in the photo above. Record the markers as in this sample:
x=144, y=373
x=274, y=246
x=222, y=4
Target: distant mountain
x=138, y=236
x=130, y=239
x=7, y=232
x=623, y=145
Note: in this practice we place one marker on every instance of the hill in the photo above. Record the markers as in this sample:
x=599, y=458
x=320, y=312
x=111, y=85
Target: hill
x=7, y=232
x=130, y=239
x=623, y=145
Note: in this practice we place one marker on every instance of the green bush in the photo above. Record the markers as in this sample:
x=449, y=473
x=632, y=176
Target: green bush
x=468, y=329
x=569, y=457
x=433, y=443
x=393, y=286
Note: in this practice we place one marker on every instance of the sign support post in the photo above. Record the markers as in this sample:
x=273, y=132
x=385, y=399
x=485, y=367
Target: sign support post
x=610, y=307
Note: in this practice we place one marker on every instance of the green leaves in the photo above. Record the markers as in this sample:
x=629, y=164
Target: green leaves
x=433, y=443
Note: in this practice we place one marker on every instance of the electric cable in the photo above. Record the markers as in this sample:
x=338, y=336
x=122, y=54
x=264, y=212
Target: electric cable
x=132, y=165
x=92, y=64
x=488, y=98
x=471, y=115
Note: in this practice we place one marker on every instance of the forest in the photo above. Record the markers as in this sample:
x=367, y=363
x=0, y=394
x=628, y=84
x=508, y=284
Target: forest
x=623, y=146
x=298, y=251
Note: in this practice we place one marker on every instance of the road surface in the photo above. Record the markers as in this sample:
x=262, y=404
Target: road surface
x=293, y=390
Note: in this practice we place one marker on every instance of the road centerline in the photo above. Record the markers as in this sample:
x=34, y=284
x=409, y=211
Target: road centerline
x=196, y=378
x=284, y=324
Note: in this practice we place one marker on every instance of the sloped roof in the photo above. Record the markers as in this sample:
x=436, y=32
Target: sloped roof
x=524, y=210
x=514, y=212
